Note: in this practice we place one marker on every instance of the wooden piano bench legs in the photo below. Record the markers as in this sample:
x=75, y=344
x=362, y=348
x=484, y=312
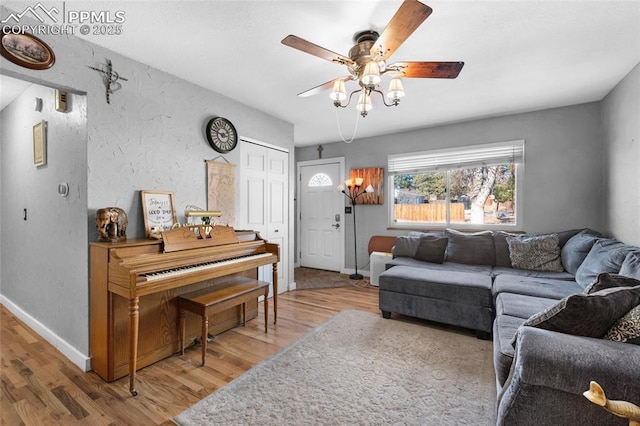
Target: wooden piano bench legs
x=211, y=300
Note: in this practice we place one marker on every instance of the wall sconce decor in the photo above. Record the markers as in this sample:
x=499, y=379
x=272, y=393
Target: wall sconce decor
x=373, y=176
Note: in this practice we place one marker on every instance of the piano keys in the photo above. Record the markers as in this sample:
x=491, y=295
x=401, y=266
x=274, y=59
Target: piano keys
x=134, y=286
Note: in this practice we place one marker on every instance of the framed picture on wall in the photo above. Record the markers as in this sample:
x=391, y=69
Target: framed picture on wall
x=40, y=144
x=27, y=50
x=158, y=210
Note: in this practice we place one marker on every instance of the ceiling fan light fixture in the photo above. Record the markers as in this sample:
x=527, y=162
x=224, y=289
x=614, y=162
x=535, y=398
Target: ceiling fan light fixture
x=396, y=91
x=364, y=103
x=339, y=92
x=371, y=74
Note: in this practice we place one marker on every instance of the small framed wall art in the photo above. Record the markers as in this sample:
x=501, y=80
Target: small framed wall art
x=158, y=211
x=27, y=50
x=373, y=176
x=40, y=144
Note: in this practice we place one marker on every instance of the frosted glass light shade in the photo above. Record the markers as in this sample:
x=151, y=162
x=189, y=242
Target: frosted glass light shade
x=364, y=102
x=338, y=93
x=396, y=91
x=371, y=74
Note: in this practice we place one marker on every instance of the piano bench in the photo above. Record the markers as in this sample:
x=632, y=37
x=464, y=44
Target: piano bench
x=211, y=300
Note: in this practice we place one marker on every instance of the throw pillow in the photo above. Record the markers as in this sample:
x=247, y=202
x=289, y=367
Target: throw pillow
x=535, y=252
x=606, y=255
x=589, y=315
x=606, y=280
x=631, y=266
x=627, y=328
x=473, y=248
x=501, y=247
x=432, y=249
x=405, y=246
x=576, y=250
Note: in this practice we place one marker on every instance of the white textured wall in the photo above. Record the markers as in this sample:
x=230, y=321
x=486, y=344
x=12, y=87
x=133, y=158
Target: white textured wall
x=563, y=171
x=150, y=137
x=621, y=139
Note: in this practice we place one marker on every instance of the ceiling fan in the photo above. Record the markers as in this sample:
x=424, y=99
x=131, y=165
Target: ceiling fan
x=367, y=60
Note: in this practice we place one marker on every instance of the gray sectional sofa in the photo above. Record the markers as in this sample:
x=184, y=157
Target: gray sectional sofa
x=547, y=300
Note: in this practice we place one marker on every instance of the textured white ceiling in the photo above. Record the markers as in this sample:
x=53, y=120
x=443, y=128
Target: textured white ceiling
x=519, y=55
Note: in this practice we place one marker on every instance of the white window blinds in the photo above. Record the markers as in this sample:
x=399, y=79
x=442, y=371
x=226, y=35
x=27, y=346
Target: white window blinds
x=457, y=158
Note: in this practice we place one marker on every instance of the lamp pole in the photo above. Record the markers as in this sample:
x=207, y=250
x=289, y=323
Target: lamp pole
x=352, y=191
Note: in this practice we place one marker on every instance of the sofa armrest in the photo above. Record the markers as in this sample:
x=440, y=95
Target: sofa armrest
x=568, y=363
x=551, y=371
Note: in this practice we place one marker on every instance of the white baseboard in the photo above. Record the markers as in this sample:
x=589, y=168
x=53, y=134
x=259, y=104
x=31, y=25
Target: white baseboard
x=78, y=358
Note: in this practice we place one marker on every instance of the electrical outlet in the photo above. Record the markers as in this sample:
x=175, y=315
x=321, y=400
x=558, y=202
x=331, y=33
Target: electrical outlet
x=347, y=210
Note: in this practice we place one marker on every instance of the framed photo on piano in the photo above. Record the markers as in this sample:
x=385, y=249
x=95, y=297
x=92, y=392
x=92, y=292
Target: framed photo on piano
x=158, y=210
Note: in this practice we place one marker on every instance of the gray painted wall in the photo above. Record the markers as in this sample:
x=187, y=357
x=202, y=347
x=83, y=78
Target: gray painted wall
x=150, y=137
x=621, y=140
x=562, y=175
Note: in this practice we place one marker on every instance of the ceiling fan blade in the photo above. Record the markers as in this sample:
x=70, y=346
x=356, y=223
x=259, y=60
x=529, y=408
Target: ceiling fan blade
x=409, y=16
x=426, y=69
x=321, y=88
x=315, y=50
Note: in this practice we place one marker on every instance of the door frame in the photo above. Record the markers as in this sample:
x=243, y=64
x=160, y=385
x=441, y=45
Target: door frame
x=299, y=165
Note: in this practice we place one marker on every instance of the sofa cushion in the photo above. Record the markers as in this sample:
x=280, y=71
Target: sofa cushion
x=458, y=287
x=607, y=280
x=606, y=255
x=565, y=276
x=576, y=250
x=589, y=315
x=534, y=286
x=501, y=247
x=504, y=328
x=631, y=266
x=627, y=328
x=475, y=248
x=535, y=252
x=521, y=306
x=432, y=249
x=446, y=266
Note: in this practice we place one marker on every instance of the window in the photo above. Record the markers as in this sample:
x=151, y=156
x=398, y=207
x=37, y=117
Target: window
x=320, y=179
x=466, y=186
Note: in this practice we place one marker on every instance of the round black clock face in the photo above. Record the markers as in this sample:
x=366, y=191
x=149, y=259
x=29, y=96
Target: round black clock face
x=221, y=134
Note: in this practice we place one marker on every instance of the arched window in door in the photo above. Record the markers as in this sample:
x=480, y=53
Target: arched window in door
x=320, y=179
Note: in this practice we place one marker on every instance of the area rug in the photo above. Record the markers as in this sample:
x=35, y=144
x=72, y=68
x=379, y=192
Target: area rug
x=358, y=368
x=310, y=278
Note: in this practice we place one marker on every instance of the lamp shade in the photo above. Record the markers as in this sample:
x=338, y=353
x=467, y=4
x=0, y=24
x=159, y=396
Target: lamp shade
x=396, y=91
x=371, y=74
x=364, y=102
x=338, y=93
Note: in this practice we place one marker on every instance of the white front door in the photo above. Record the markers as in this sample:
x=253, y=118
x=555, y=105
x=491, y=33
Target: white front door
x=321, y=214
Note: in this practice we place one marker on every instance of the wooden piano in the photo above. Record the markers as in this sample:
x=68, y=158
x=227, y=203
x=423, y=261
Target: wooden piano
x=134, y=285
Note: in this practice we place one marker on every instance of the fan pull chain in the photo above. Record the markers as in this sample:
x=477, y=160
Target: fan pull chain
x=353, y=136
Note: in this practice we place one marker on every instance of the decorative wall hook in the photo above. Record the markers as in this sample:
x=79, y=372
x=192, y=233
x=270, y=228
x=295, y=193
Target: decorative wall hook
x=110, y=78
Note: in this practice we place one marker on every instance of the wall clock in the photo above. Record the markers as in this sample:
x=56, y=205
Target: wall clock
x=221, y=134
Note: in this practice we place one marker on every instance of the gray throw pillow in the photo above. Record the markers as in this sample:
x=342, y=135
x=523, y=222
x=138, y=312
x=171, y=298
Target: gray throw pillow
x=406, y=246
x=627, y=328
x=501, y=246
x=432, y=249
x=631, y=266
x=589, y=315
x=576, y=250
x=606, y=255
x=607, y=280
x=473, y=248
x=535, y=252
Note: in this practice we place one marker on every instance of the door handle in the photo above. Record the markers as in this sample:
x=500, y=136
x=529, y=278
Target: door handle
x=336, y=225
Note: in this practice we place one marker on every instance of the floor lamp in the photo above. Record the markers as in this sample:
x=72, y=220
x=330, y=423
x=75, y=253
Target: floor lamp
x=353, y=190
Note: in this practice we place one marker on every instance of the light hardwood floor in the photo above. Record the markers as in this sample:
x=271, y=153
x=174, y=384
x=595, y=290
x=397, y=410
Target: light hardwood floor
x=40, y=386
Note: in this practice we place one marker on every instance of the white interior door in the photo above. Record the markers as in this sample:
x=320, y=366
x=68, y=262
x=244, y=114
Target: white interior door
x=264, y=185
x=321, y=215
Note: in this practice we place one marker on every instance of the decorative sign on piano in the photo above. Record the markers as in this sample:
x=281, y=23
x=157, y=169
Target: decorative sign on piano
x=158, y=210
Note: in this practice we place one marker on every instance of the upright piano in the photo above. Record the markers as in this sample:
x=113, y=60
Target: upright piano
x=134, y=285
